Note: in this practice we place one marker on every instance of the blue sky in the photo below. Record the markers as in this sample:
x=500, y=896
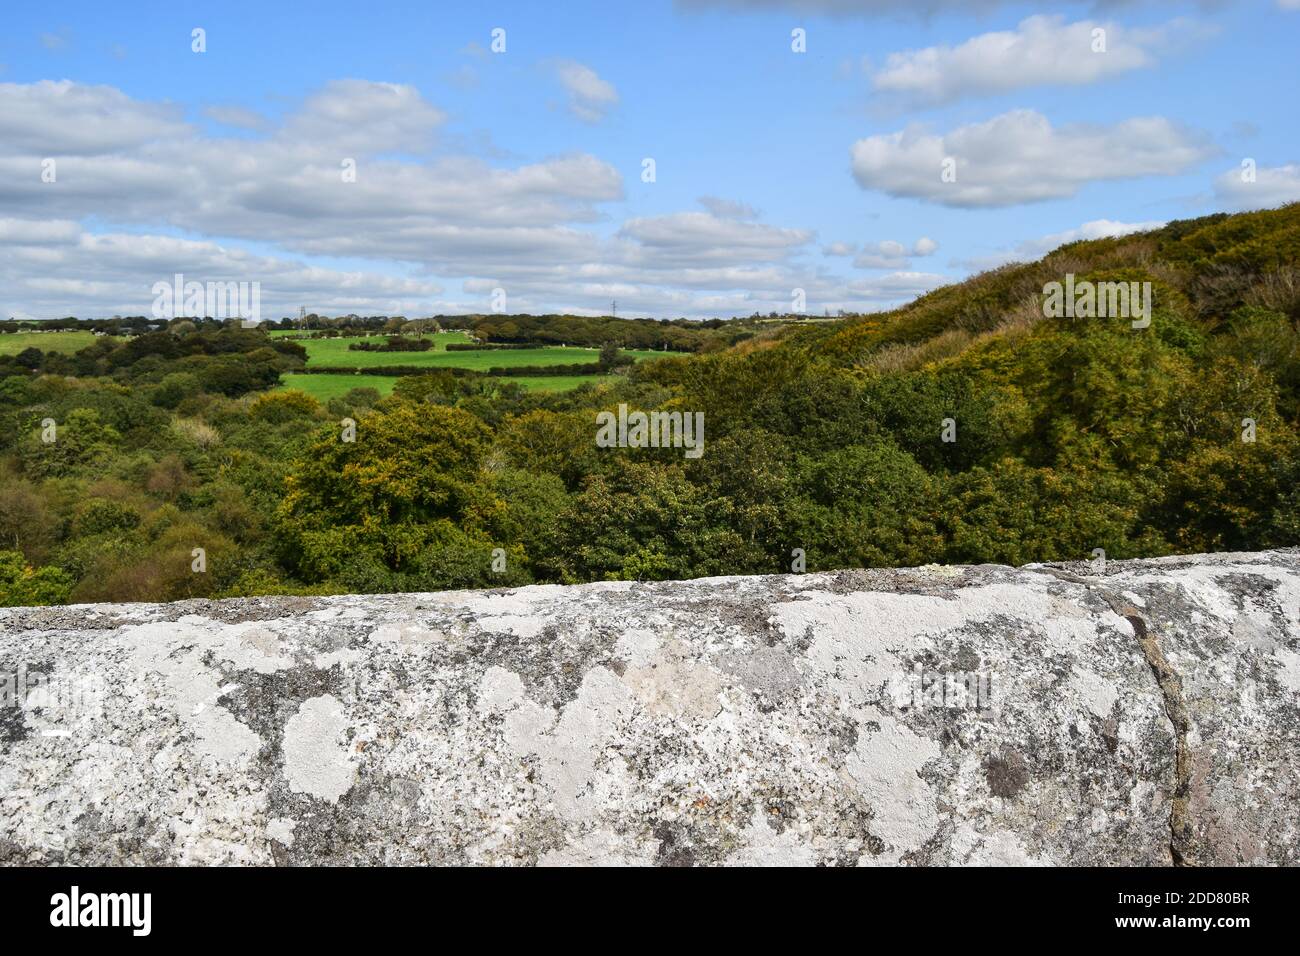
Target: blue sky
x=775, y=170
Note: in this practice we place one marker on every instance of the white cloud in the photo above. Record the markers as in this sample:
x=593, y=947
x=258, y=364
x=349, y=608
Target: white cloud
x=728, y=208
x=56, y=268
x=1041, y=50
x=896, y=286
x=434, y=231
x=1273, y=186
x=1096, y=229
x=237, y=117
x=891, y=254
x=361, y=114
x=429, y=222
x=146, y=166
x=62, y=118
x=693, y=238
x=1030, y=249
x=887, y=254
x=1019, y=157
x=840, y=249
x=590, y=97
x=38, y=232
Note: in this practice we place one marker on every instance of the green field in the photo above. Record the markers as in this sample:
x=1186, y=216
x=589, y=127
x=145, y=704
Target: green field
x=334, y=353
x=440, y=341
x=325, y=387
x=11, y=343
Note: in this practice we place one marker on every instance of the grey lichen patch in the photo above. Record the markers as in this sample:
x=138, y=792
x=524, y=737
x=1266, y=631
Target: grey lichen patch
x=1149, y=714
x=316, y=756
x=765, y=845
x=178, y=654
x=406, y=633
x=886, y=765
x=771, y=673
x=280, y=830
x=672, y=683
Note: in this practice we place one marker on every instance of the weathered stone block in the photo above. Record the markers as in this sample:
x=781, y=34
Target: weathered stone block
x=927, y=716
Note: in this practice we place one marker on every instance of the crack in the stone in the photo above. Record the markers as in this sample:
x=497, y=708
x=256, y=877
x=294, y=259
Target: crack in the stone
x=1183, y=843
x=1182, y=835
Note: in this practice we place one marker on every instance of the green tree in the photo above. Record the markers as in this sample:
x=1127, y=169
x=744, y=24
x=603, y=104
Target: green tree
x=411, y=478
x=21, y=585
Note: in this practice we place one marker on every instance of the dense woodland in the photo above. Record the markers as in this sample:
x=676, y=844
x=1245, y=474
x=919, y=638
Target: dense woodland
x=1070, y=435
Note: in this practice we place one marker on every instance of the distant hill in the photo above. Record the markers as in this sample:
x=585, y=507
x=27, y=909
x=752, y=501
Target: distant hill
x=1180, y=436
x=1202, y=269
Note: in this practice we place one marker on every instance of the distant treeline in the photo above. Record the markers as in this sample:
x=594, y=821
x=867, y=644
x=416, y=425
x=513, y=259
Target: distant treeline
x=224, y=360
x=664, y=335
x=526, y=331
x=510, y=371
x=395, y=343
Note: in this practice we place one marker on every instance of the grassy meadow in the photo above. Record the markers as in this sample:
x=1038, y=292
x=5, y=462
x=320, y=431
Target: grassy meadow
x=334, y=353
x=325, y=387
x=11, y=343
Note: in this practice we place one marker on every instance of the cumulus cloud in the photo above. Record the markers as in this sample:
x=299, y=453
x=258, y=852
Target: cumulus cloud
x=692, y=238
x=1030, y=249
x=237, y=117
x=1096, y=229
x=890, y=254
x=148, y=167
x=57, y=268
x=41, y=232
x=887, y=254
x=1272, y=186
x=590, y=97
x=728, y=208
x=379, y=117
x=1042, y=50
x=896, y=286
x=1019, y=157
x=442, y=230
x=62, y=118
